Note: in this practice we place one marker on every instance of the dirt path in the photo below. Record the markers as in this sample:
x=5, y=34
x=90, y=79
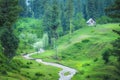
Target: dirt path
x=65, y=70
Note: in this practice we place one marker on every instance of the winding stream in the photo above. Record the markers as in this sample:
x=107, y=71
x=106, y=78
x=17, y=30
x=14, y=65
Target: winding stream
x=71, y=72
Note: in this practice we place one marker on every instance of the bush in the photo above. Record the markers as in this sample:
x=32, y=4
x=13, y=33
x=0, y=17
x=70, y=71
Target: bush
x=105, y=56
x=26, y=66
x=79, y=21
x=4, y=72
x=77, y=45
x=29, y=63
x=104, y=20
x=86, y=64
x=1, y=61
x=10, y=43
x=96, y=59
x=88, y=76
x=85, y=41
x=39, y=74
x=81, y=72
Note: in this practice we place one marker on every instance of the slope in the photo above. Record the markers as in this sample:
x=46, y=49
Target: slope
x=84, y=52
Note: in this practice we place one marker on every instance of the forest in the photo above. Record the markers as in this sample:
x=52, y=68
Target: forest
x=59, y=39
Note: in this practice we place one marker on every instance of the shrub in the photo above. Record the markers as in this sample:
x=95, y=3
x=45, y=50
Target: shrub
x=88, y=76
x=85, y=41
x=81, y=72
x=78, y=45
x=92, y=31
x=96, y=59
x=79, y=21
x=45, y=40
x=104, y=20
x=26, y=66
x=105, y=56
x=29, y=63
x=39, y=64
x=4, y=72
x=27, y=72
x=50, y=74
x=39, y=74
x=1, y=61
x=86, y=64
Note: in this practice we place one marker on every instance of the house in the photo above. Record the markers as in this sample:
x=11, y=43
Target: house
x=91, y=22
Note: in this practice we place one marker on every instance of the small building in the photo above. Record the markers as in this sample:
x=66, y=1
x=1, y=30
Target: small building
x=91, y=22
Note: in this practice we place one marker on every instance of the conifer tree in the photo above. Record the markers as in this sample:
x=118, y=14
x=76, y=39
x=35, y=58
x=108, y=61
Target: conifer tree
x=38, y=7
x=69, y=12
x=91, y=9
x=23, y=5
x=113, y=11
x=51, y=20
x=9, y=12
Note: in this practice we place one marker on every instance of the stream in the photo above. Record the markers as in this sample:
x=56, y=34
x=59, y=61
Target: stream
x=65, y=70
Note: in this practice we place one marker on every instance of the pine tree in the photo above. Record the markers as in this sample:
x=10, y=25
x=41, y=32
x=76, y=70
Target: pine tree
x=116, y=46
x=78, y=7
x=24, y=8
x=69, y=12
x=51, y=20
x=63, y=17
x=114, y=10
x=84, y=10
x=91, y=9
x=9, y=43
x=9, y=12
x=39, y=8
x=55, y=17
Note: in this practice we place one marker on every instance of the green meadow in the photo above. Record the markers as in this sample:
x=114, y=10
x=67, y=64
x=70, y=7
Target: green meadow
x=84, y=51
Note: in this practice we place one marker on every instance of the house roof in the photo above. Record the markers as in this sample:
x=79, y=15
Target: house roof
x=90, y=21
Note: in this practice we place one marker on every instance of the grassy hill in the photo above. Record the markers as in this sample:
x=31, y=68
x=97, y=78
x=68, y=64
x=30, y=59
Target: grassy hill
x=83, y=51
x=22, y=69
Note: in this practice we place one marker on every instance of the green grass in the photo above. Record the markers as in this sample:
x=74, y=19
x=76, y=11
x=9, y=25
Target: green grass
x=84, y=52
x=22, y=69
x=84, y=41
x=39, y=71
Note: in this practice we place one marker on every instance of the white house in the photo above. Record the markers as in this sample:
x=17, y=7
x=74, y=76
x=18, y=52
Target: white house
x=91, y=22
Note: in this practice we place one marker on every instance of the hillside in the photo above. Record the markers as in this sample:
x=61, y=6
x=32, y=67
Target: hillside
x=59, y=40
x=84, y=52
x=22, y=69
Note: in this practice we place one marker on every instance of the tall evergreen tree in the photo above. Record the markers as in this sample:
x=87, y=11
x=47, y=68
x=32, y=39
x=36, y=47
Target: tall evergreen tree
x=114, y=10
x=63, y=16
x=77, y=7
x=47, y=19
x=69, y=12
x=84, y=11
x=24, y=8
x=55, y=18
x=9, y=12
x=91, y=9
x=9, y=43
x=51, y=19
x=38, y=8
